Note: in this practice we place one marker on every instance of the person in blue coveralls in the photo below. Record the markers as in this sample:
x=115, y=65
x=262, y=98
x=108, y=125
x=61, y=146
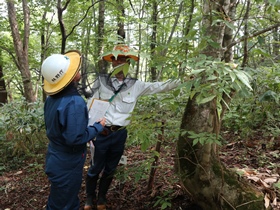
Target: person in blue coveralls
x=122, y=92
x=66, y=121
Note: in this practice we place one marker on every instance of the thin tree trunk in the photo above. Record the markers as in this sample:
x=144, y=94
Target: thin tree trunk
x=246, y=34
x=3, y=90
x=102, y=65
x=120, y=18
x=154, y=39
x=156, y=158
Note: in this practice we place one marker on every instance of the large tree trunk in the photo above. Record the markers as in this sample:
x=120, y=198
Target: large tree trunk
x=21, y=47
x=209, y=182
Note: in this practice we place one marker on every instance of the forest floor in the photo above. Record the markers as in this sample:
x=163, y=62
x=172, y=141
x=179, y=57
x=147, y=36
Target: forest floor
x=256, y=160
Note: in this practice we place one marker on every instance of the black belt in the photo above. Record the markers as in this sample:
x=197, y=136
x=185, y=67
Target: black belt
x=114, y=127
x=68, y=149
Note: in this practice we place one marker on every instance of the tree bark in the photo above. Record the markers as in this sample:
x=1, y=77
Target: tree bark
x=205, y=178
x=3, y=90
x=154, y=40
x=102, y=65
x=21, y=47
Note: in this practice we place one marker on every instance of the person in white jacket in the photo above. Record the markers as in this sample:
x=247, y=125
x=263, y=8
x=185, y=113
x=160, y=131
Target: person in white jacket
x=122, y=93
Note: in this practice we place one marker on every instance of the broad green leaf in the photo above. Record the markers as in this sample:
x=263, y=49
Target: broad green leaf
x=212, y=77
x=269, y=96
x=230, y=25
x=123, y=67
x=232, y=76
x=205, y=100
x=195, y=141
x=261, y=52
x=217, y=21
x=243, y=78
x=197, y=71
x=214, y=44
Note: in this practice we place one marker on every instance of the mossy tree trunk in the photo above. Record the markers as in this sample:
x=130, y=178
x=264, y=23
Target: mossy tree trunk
x=209, y=182
x=205, y=178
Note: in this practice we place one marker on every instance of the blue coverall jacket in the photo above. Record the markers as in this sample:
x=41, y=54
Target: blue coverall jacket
x=66, y=120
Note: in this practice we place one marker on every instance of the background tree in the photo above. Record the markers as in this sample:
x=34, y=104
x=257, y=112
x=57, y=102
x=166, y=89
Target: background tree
x=21, y=46
x=3, y=91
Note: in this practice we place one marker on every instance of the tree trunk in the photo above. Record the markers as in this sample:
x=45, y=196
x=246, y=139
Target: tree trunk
x=120, y=18
x=154, y=40
x=3, y=91
x=102, y=65
x=21, y=47
x=209, y=182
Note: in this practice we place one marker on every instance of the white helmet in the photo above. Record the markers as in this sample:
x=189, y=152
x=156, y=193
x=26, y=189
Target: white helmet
x=55, y=67
x=59, y=70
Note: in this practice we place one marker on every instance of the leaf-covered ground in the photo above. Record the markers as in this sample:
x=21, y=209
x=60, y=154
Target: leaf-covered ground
x=256, y=160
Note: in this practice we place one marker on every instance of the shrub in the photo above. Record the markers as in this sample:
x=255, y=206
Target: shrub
x=22, y=131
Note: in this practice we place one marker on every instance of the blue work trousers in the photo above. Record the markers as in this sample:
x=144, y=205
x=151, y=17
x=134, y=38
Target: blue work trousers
x=65, y=172
x=108, y=151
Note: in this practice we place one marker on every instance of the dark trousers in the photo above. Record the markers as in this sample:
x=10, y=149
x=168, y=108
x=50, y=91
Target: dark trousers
x=107, y=154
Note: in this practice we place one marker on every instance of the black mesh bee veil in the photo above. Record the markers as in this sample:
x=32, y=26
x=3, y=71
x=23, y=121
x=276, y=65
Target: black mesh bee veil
x=88, y=76
x=89, y=82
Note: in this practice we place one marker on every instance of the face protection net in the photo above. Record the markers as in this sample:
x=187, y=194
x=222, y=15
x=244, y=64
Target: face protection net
x=90, y=83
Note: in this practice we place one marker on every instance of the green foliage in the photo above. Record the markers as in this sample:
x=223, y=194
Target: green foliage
x=137, y=171
x=164, y=201
x=22, y=131
x=257, y=111
x=204, y=138
x=151, y=113
x=212, y=79
x=242, y=117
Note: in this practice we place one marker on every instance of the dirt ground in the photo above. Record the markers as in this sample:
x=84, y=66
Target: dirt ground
x=27, y=188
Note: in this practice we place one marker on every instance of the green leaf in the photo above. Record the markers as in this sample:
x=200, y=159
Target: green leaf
x=205, y=100
x=123, y=67
x=259, y=51
x=230, y=25
x=261, y=40
x=214, y=44
x=197, y=71
x=232, y=76
x=269, y=96
x=217, y=21
x=243, y=78
x=212, y=77
x=176, y=92
x=195, y=141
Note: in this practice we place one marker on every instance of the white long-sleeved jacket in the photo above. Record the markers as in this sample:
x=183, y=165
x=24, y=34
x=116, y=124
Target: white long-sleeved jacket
x=124, y=102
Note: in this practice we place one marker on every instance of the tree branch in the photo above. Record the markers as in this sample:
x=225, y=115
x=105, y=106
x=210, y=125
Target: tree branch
x=253, y=35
